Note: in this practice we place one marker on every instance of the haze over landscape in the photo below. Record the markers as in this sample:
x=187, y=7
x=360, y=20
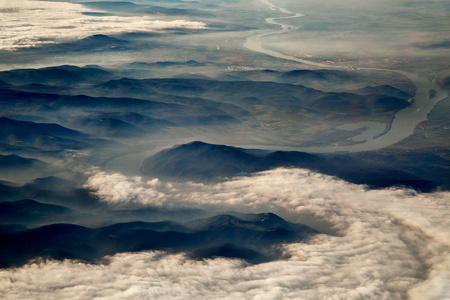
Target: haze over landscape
x=245, y=149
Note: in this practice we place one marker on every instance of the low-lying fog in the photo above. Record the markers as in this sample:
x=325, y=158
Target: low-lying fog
x=122, y=81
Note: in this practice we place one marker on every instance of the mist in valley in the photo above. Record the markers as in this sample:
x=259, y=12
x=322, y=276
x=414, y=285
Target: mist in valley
x=224, y=150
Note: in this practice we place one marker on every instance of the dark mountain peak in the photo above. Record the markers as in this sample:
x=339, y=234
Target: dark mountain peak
x=123, y=228
x=105, y=126
x=196, y=144
x=16, y=161
x=316, y=74
x=129, y=83
x=206, y=162
x=98, y=37
x=28, y=128
x=8, y=184
x=30, y=203
x=94, y=67
x=214, y=222
x=191, y=63
x=262, y=221
x=7, y=121
x=269, y=71
x=48, y=136
x=385, y=90
x=310, y=73
x=29, y=210
x=78, y=72
x=58, y=230
x=202, y=146
x=62, y=67
x=51, y=183
x=24, y=202
x=308, y=77
x=269, y=217
x=56, y=75
x=248, y=238
x=213, y=150
x=103, y=39
x=199, y=161
x=138, y=119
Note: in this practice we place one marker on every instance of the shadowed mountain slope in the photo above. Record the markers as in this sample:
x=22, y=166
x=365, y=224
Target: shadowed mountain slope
x=207, y=162
x=67, y=105
x=26, y=211
x=253, y=239
x=41, y=135
x=61, y=75
x=13, y=161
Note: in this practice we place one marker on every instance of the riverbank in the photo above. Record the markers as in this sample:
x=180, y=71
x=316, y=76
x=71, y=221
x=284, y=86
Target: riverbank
x=401, y=125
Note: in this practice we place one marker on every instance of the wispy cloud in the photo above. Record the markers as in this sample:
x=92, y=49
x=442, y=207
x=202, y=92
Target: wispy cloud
x=29, y=23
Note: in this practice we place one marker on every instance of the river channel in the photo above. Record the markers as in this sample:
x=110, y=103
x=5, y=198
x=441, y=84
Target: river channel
x=375, y=136
x=404, y=121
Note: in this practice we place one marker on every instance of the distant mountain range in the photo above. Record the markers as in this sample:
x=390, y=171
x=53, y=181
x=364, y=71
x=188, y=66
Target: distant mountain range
x=13, y=161
x=27, y=210
x=252, y=237
x=61, y=75
x=49, y=110
x=207, y=162
x=40, y=135
x=130, y=7
x=365, y=101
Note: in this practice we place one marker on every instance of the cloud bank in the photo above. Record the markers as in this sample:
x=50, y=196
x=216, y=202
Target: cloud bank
x=383, y=244
x=29, y=23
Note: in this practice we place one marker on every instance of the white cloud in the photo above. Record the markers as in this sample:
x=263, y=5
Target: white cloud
x=322, y=274
x=28, y=23
x=388, y=244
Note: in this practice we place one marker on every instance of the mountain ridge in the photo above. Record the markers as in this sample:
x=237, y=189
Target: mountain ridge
x=244, y=239
x=199, y=161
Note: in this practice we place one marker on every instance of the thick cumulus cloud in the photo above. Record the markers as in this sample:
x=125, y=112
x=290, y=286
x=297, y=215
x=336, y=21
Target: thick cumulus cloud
x=383, y=244
x=155, y=275
x=28, y=23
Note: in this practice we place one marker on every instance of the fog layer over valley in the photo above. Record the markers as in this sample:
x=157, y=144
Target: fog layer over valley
x=224, y=150
x=371, y=246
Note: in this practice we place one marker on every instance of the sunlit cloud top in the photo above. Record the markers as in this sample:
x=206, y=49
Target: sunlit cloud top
x=378, y=253
x=30, y=23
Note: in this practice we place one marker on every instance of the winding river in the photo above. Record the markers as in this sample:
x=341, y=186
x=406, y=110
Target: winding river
x=376, y=136
x=404, y=121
